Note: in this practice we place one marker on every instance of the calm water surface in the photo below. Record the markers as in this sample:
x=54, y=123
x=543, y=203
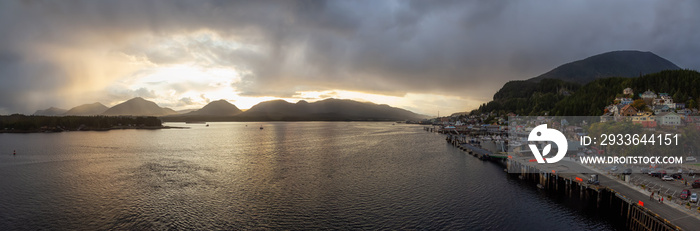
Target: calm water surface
x=311, y=175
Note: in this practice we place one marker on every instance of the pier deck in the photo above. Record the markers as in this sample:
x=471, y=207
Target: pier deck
x=568, y=175
x=571, y=169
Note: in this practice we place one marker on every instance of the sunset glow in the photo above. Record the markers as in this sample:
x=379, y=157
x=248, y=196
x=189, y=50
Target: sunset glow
x=183, y=56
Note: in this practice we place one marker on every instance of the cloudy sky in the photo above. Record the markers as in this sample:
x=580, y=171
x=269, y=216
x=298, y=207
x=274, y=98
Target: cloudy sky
x=424, y=56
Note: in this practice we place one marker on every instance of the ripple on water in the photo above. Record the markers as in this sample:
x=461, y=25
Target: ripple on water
x=312, y=175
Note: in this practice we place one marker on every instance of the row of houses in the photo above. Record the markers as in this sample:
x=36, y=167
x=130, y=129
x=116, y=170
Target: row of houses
x=663, y=111
x=659, y=104
x=649, y=120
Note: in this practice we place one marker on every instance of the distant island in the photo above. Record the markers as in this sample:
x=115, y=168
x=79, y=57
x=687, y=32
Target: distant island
x=34, y=123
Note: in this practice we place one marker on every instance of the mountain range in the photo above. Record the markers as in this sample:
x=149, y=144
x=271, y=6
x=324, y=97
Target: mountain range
x=138, y=106
x=275, y=110
x=328, y=109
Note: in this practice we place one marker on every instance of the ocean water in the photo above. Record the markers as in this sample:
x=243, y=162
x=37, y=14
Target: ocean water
x=290, y=175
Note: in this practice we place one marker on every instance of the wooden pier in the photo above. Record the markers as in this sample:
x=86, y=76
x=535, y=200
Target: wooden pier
x=614, y=200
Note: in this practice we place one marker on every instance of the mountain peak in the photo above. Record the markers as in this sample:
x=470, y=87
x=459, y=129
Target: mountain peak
x=138, y=99
x=87, y=109
x=625, y=63
x=138, y=106
x=216, y=108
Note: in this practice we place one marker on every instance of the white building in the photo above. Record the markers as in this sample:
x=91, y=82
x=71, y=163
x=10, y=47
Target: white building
x=668, y=119
x=628, y=91
x=648, y=95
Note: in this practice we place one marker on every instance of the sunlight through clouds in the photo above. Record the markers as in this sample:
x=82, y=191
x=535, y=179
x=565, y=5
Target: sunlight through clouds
x=449, y=56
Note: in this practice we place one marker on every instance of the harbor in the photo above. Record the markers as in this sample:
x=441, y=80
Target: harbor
x=608, y=193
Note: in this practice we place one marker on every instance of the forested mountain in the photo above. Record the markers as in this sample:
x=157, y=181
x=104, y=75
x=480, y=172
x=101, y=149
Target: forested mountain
x=52, y=111
x=610, y=64
x=525, y=97
x=216, y=108
x=591, y=99
x=682, y=85
x=543, y=93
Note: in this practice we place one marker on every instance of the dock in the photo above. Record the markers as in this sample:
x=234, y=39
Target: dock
x=611, y=196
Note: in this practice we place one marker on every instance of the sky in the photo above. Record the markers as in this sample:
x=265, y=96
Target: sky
x=424, y=56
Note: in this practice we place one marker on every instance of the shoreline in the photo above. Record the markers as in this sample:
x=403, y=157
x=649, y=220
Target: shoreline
x=90, y=129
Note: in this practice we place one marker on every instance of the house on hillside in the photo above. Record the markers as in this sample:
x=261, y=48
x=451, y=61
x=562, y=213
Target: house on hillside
x=628, y=110
x=685, y=111
x=668, y=119
x=615, y=110
x=658, y=109
x=646, y=119
x=648, y=97
x=624, y=101
x=628, y=91
x=665, y=99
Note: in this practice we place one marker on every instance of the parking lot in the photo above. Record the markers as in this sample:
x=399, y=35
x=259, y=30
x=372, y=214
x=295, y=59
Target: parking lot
x=669, y=189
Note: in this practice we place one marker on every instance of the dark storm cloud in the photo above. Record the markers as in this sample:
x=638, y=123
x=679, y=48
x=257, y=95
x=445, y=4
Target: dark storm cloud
x=462, y=48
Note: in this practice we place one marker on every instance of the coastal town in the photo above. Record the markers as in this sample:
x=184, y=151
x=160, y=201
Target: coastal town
x=503, y=139
x=648, y=109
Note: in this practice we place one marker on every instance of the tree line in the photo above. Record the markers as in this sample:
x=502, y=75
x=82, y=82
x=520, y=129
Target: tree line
x=32, y=123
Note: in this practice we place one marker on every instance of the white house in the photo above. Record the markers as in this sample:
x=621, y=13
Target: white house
x=628, y=91
x=669, y=119
x=665, y=99
x=648, y=95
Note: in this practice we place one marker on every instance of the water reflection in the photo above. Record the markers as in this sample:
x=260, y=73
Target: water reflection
x=312, y=175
